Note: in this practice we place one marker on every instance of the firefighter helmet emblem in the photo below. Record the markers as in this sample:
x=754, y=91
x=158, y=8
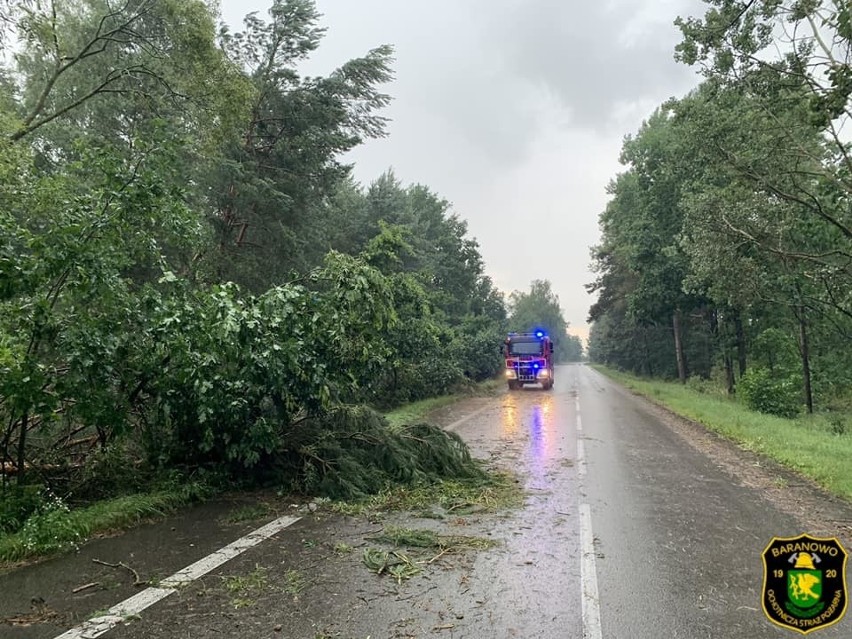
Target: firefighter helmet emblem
x=804, y=582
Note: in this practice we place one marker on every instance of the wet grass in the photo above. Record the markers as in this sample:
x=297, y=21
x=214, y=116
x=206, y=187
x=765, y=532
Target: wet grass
x=295, y=582
x=250, y=512
x=814, y=446
x=417, y=411
x=56, y=528
x=244, y=588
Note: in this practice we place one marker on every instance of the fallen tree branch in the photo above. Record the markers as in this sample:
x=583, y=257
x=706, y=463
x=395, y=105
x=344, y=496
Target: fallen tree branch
x=137, y=581
x=86, y=587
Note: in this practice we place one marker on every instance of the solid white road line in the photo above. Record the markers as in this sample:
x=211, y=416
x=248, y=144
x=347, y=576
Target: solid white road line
x=589, y=577
x=137, y=603
x=461, y=421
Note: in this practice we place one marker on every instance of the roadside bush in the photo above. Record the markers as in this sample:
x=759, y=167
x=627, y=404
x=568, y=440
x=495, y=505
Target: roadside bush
x=763, y=392
x=476, y=347
x=838, y=425
x=17, y=503
x=50, y=528
x=700, y=384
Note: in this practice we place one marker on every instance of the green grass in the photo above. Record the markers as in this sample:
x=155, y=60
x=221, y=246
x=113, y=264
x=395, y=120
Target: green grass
x=244, y=584
x=417, y=411
x=58, y=529
x=296, y=582
x=812, y=446
x=250, y=512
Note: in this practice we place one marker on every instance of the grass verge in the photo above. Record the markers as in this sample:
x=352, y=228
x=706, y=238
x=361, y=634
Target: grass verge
x=417, y=411
x=56, y=528
x=811, y=446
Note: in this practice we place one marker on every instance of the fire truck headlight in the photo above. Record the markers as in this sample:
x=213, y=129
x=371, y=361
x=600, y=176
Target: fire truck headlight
x=510, y=373
x=544, y=373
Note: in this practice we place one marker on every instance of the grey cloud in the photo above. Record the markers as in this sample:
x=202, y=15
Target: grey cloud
x=592, y=55
x=486, y=66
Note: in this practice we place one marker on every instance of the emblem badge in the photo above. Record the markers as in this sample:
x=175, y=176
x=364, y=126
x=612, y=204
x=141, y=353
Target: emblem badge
x=804, y=582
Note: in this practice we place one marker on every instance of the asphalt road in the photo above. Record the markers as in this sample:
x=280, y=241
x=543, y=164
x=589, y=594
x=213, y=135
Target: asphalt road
x=636, y=526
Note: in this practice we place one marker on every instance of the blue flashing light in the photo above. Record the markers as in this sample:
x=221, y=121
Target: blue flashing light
x=539, y=334
x=535, y=365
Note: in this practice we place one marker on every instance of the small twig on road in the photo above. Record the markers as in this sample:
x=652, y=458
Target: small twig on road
x=439, y=555
x=448, y=626
x=137, y=581
x=86, y=587
x=416, y=594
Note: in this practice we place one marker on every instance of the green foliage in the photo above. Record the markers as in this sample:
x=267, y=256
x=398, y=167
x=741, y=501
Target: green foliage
x=238, y=369
x=573, y=348
x=492, y=492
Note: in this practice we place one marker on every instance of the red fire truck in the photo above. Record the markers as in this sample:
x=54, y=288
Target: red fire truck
x=529, y=359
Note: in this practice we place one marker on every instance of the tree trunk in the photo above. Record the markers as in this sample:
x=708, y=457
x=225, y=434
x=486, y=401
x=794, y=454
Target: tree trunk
x=649, y=371
x=729, y=372
x=678, y=339
x=804, y=350
x=22, y=447
x=741, y=345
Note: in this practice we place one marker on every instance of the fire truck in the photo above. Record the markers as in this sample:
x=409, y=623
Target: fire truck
x=529, y=359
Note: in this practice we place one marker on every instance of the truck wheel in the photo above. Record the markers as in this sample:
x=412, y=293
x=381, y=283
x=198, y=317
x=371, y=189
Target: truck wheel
x=548, y=385
x=513, y=385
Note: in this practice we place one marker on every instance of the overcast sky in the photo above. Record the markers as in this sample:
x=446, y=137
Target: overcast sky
x=514, y=111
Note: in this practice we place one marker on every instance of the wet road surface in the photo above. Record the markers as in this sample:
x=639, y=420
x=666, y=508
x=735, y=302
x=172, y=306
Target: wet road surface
x=634, y=526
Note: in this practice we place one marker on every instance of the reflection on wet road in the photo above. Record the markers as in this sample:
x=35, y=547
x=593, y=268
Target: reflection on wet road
x=533, y=411
x=532, y=584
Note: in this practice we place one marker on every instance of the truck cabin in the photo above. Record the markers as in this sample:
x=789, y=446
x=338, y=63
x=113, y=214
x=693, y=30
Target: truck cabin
x=527, y=344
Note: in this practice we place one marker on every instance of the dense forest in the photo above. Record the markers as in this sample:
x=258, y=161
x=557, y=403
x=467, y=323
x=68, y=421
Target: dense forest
x=726, y=248
x=192, y=281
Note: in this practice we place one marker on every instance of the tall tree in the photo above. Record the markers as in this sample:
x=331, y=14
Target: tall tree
x=269, y=193
x=539, y=308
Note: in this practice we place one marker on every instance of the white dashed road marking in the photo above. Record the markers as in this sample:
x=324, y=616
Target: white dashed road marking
x=591, y=608
x=137, y=603
x=589, y=577
x=461, y=421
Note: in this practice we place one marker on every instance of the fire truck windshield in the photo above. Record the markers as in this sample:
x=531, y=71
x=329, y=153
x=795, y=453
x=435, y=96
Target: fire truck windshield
x=525, y=348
